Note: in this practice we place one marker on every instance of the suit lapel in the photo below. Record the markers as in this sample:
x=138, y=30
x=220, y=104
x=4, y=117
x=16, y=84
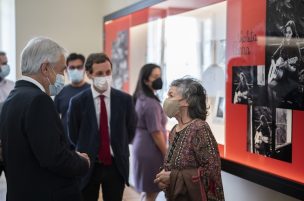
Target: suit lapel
x=91, y=110
x=114, y=104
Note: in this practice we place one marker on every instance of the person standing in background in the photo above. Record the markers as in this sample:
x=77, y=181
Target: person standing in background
x=5, y=85
x=38, y=163
x=149, y=144
x=101, y=122
x=76, y=74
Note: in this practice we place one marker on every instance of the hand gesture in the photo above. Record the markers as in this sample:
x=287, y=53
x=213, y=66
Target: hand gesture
x=85, y=156
x=163, y=179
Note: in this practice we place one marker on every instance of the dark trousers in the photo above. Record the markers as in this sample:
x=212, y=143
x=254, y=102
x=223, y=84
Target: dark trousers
x=110, y=180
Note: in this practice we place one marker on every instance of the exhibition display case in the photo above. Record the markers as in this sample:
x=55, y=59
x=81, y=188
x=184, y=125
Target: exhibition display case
x=249, y=56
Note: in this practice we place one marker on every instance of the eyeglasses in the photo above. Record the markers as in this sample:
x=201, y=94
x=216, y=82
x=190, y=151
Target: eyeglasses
x=79, y=67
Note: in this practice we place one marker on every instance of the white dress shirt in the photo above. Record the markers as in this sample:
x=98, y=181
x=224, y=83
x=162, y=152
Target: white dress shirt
x=96, y=98
x=5, y=88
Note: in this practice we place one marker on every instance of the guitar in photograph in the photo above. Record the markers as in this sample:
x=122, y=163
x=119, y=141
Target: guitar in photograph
x=239, y=96
x=259, y=139
x=277, y=69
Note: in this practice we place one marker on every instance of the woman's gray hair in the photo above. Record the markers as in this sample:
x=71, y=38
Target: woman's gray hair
x=194, y=93
x=40, y=50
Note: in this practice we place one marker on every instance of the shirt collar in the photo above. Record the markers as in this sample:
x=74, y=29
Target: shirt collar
x=35, y=82
x=97, y=94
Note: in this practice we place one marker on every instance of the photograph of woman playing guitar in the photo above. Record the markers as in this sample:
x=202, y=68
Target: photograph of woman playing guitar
x=262, y=138
x=242, y=90
x=284, y=68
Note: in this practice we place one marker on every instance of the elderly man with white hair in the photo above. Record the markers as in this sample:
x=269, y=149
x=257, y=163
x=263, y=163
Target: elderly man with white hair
x=38, y=163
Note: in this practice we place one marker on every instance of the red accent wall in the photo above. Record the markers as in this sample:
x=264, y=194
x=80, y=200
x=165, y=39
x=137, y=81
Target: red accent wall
x=244, y=17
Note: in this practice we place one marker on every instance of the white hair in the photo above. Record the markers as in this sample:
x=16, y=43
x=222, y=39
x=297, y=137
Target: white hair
x=40, y=50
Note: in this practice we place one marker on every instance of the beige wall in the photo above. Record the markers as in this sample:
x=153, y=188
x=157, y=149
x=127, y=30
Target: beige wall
x=75, y=24
x=110, y=6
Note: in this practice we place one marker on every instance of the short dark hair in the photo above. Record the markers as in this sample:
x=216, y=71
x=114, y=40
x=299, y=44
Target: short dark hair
x=2, y=53
x=96, y=58
x=195, y=94
x=75, y=56
x=141, y=87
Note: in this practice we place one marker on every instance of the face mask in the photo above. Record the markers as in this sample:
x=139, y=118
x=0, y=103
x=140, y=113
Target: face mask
x=57, y=86
x=102, y=83
x=157, y=84
x=76, y=75
x=171, y=107
x=5, y=70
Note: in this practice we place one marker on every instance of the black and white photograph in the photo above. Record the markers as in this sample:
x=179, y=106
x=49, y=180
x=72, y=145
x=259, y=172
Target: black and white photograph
x=259, y=130
x=279, y=12
x=259, y=91
x=284, y=53
x=269, y=132
x=219, y=109
x=120, y=70
x=243, y=80
x=283, y=135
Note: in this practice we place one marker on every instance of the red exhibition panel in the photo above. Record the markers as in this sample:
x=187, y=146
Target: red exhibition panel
x=123, y=24
x=246, y=48
x=246, y=37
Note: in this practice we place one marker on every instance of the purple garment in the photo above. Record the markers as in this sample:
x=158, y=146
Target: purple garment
x=147, y=156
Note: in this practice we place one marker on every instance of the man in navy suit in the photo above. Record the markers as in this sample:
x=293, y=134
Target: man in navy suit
x=38, y=162
x=101, y=122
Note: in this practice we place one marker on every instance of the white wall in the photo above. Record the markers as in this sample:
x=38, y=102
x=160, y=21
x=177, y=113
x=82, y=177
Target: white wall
x=110, y=6
x=138, y=52
x=238, y=189
x=7, y=34
x=75, y=24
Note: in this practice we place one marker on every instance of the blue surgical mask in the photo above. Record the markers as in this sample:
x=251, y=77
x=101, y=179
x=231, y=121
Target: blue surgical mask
x=76, y=75
x=57, y=86
x=5, y=70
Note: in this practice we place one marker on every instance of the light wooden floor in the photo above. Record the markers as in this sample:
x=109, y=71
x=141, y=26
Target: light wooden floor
x=129, y=195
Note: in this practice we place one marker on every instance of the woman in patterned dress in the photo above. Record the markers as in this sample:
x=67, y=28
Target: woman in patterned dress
x=192, y=167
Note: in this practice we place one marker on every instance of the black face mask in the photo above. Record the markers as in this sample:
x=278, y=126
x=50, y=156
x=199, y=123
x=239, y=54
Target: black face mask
x=157, y=84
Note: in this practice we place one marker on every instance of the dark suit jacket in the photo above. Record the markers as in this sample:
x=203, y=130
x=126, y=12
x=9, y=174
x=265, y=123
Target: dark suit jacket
x=38, y=162
x=84, y=133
